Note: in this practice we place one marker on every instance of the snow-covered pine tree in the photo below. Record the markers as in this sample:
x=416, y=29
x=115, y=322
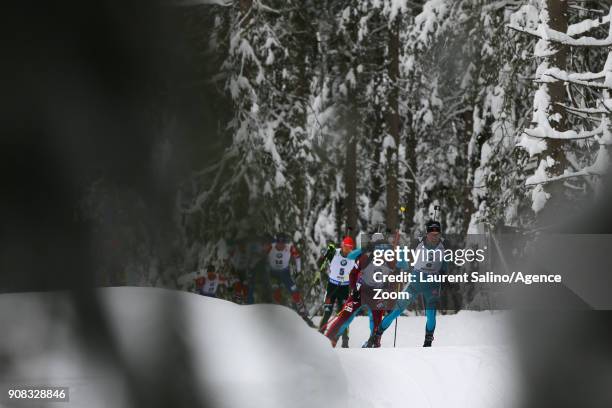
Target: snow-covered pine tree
x=571, y=109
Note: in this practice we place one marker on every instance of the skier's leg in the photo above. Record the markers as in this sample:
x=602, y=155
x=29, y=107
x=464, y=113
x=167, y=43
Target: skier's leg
x=245, y=292
x=341, y=295
x=250, y=298
x=339, y=323
x=376, y=317
x=285, y=278
x=240, y=292
x=345, y=325
x=328, y=305
x=243, y=287
x=275, y=277
x=430, y=326
x=265, y=281
x=398, y=309
x=400, y=306
x=276, y=294
x=296, y=297
x=432, y=298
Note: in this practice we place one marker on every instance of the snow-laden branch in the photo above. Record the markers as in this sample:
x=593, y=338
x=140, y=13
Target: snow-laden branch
x=599, y=168
x=586, y=172
x=502, y=4
x=569, y=78
x=547, y=132
x=586, y=26
x=574, y=76
x=547, y=34
x=586, y=111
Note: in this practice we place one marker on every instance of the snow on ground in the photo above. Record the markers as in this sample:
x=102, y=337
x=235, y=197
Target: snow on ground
x=248, y=356
x=469, y=365
x=467, y=328
x=263, y=355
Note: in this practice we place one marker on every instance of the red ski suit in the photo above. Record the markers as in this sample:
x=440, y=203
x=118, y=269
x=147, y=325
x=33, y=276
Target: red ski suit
x=339, y=323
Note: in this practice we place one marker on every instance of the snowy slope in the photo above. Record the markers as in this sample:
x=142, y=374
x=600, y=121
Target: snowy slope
x=470, y=365
x=265, y=356
x=265, y=352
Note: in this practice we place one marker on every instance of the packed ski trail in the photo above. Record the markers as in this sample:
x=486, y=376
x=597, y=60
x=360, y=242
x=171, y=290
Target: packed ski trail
x=265, y=355
x=469, y=365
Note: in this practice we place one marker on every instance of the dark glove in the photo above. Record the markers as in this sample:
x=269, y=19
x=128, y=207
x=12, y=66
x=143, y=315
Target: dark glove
x=356, y=295
x=331, y=251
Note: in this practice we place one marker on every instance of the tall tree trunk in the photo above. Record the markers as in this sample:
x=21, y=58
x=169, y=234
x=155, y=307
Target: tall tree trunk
x=557, y=11
x=411, y=197
x=350, y=169
x=302, y=48
x=351, y=125
x=468, y=204
x=393, y=125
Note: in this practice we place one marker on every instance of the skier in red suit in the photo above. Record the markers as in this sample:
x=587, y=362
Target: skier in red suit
x=362, y=287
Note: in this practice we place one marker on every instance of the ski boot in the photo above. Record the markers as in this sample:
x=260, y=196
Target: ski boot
x=428, y=339
x=373, y=341
x=345, y=340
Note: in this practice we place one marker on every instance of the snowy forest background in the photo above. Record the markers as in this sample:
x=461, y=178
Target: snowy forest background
x=333, y=114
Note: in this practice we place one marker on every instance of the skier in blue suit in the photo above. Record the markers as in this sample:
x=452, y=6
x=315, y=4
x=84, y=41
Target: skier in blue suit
x=430, y=262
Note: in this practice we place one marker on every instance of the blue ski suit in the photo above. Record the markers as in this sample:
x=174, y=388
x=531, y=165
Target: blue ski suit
x=431, y=297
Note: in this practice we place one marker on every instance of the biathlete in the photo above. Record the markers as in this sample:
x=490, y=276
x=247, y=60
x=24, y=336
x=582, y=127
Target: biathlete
x=362, y=286
x=431, y=263
x=207, y=285
x=280, y=252
x=339, y=266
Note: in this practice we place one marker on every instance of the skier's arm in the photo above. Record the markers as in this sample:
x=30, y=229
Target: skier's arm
x=356, y=272
x=354, y=254
x=354, y=280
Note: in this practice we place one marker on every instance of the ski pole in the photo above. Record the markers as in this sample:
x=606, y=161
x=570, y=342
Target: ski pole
x=395, y=333
x=398, y=235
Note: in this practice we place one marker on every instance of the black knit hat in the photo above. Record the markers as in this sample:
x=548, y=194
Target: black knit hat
x=433, y=226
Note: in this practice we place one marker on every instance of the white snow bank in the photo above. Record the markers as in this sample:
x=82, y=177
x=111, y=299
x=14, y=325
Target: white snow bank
x=438, y=377
x=260, y=355
x=470, y=364
x=247, y=356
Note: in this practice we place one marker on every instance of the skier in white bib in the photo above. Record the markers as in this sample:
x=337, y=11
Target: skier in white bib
x=280, y=253
x=337, y=291
x=208, y=284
